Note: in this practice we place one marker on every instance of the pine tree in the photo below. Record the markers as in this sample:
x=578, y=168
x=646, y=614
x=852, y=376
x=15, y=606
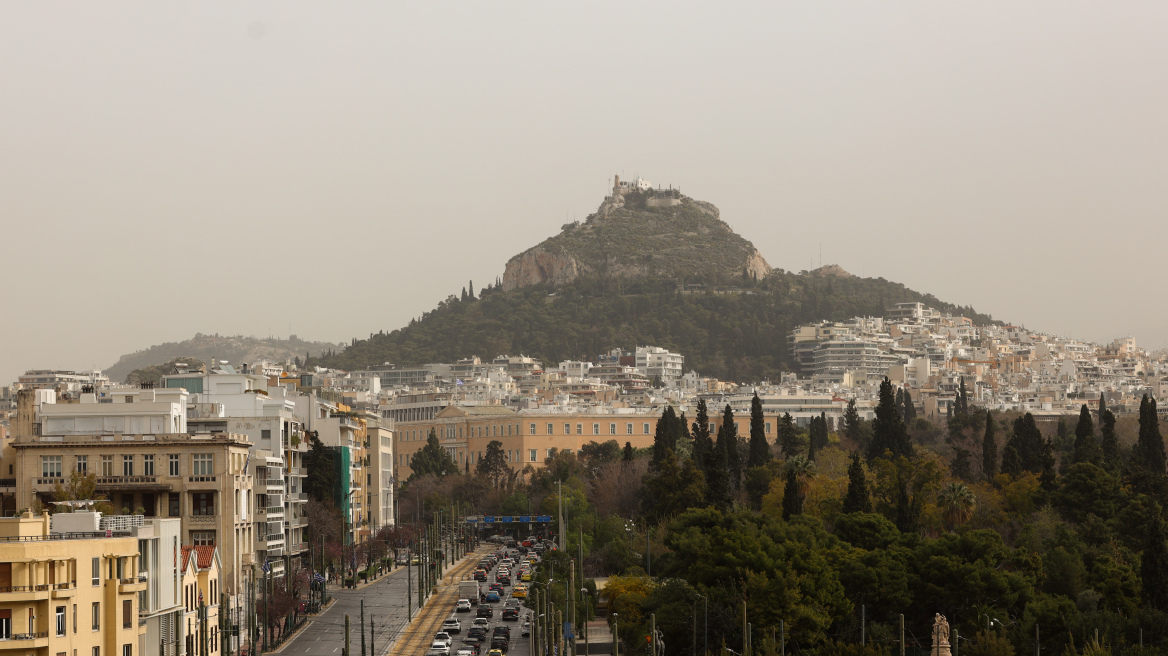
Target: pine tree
x=1109, y=443
x=1086, y=449
x=792, y=496
x=1150, y=445
x=788, y=436
x=1154, y=561
x=857, y=499
x=470, y=290
x=760, y=450
x=889, y=433
x=989, y=449
x=728, y=444
x=910, y=410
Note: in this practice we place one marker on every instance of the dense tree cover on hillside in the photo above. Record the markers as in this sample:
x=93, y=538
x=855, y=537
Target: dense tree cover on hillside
x=1062, y=538
x=732, y=329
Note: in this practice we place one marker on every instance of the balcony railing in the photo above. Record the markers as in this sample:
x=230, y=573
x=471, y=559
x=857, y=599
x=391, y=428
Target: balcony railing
x=201, y=519
x=24, y=588
x=30, y=636
x=201, y=479
x=81, y=535
x=274, y=510
x=7, y=482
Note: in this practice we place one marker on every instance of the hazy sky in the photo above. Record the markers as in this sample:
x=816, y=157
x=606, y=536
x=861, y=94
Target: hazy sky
x=335, y=169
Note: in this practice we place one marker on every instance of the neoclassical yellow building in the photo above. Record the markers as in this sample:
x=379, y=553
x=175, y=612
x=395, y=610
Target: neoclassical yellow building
x=67, y=594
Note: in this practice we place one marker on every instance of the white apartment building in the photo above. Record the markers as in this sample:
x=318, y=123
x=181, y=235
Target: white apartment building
x=654, y=361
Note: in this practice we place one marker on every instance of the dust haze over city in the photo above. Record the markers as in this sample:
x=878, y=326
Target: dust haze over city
x=270, y=168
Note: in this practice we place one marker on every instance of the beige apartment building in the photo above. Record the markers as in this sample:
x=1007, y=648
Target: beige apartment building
x=201, y=479
x=67, y=593
x=527, y=436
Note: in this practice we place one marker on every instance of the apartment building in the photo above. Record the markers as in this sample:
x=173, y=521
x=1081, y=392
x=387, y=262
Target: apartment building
x=74, y=593
x=347, y=432
x=656, y=362
x=528, y=436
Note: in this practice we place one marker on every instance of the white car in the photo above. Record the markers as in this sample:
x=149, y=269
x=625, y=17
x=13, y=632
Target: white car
x=465, y=652
x=452, y=626
x=481, y=622
x=438, y=649
x=463, y=606
x=444, y=638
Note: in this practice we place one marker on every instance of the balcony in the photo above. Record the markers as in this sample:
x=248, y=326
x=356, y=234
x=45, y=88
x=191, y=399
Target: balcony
x=32, y=640
x=274, y=510
x=203, y=482
x=63, y=590
x=205, y=520
x=134, y=584
x=19, y=593
x=298, y=497
x=299, y=547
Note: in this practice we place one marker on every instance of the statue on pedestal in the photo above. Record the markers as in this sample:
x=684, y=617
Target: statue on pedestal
x=940, y=636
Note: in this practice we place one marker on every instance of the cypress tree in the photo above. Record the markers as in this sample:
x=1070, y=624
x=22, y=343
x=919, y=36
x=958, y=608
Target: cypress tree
x=1102, y=406
x=760, y=451
x=852, y=421
x=1086, y=449
x=962, y=399
x=792, y=496
x=1154, y=562
x=703, y=447
x=989, y=449
x=1011, y=461
x=718, y=489
x=907, y=508
x=1151, y=444
x=812, y=437
x=728, y=445
x=788, y=435
x=900, y=400
x=910, y=410
x=823, y=432
x=857, y=499
x=665, y=438
x=1048, y=477
x=889, y=434
x=629, y=455
x=1109, y=442
x=1027, y=443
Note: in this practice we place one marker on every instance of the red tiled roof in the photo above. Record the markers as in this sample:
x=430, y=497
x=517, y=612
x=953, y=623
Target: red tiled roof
x=205, y=552
x=186, y=556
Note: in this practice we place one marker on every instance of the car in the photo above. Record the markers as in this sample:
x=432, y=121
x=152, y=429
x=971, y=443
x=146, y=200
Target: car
x=495, y=652
x=476, y=635
x=510, y=614
x=438, y=648
x=505, y=580
x=485, y=611
x=444, y=638
x=452, y=626
x=480, y=622
x=465, y=652
x=501, y=643
x=526, y=630
x=502, y=629
x=492, y=596
x=520, y=592
x=526, y=576
x=463, y=606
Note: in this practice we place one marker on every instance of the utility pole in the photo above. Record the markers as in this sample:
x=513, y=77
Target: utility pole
x=362, y=626
x=745, y=631
x=653, y=634
x=346, y=648
x=782, y=637
x=372, y=652
x=409, y=585
x=902, y=634
x=570, y=602
x=863, y=625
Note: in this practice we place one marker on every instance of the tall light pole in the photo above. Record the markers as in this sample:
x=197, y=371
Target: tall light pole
x=706, y=624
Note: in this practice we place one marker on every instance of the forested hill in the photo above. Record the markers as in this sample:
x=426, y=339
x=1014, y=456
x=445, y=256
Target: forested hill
x=733, y=329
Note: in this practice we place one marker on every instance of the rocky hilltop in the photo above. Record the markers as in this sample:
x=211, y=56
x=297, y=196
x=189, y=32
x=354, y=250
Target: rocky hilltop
x=641, y=233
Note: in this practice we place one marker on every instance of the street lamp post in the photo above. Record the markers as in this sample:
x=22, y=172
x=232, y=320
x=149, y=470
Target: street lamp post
x=615, y=636
x=584, y=618
x=706, y=624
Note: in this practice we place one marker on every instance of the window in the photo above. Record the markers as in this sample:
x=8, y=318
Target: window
x=60, y=620
x=96, y=616
x=531, y=455
x=551, y=429
x=82, y=466
x=567, y=429
x=612, y=429
x=172, y=505
x=768, y=427
x=107, y=465
x=127, y=613
x=127, y=649
x=97, y=651
x=713, y=427
x=148, y=465
x=173, y=471
x=645, y=428
x=532, y=429
x=203, y=503
x=74, y=618
x=549, y=453
x=203, y=538
x=596, y=429
x=97, y=571
x=265, y=434
x=202, y=464
x=129, y=399
x=579, y=429
x=5, y=624
x=629, y=429
x=127, y=465
x=51, y=466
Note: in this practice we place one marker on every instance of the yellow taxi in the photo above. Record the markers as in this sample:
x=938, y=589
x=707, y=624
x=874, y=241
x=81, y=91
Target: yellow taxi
x=519, y=592
x=526, y=576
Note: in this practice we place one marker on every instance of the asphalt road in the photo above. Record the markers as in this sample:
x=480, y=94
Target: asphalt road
x=385, y=606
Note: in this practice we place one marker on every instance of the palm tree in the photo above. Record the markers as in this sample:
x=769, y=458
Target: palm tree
x=957, y=503
x=804, y=471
